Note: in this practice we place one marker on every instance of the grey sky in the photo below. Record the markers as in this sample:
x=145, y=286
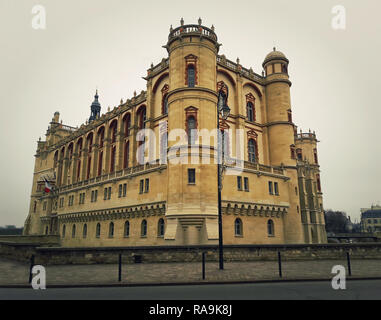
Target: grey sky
x=110, y=45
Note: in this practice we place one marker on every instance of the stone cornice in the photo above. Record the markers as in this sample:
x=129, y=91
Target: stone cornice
x=125, y=212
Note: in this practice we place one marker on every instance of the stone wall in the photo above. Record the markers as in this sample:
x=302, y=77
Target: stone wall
x=40, y=240
x=57, y=255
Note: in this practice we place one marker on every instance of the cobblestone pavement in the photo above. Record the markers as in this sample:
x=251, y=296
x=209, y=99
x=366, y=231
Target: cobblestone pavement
x=12, y=273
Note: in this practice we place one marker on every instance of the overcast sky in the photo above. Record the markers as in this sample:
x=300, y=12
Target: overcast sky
x=109, y=45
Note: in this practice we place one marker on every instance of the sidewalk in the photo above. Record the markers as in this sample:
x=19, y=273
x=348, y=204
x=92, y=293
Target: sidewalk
x=16, y=273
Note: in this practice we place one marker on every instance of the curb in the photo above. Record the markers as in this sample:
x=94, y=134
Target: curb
x=172, y=284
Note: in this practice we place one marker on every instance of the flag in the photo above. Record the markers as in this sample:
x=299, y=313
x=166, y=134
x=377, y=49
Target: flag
x=48, y=187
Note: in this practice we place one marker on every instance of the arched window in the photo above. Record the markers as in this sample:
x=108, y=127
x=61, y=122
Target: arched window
x=73, y=231
x=238, y=230
x=191, y=121
x=35, y=206
x=160, y=228
x=85, y=230
x=144, y=228
x=101, y=136
x=127, y=124
x=270, y=228
x=126, y=229
x=316, y=156
x=111, y=230
x=55, y=159
x=63, y=231
x=90, y=142
x=100, y=162
x=250, y=111
x=46, y=230
x=88, y=168
x=113, y=155
x=141, y=117
x=113, y=128
x=78, y=169
x=98, y=230
x=126, y=154
x=165, y=104
x=191, y=76
x=252, y=148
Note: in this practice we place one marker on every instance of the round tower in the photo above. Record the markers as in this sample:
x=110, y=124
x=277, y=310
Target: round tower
x=281, y=136
x=280, y=126
x=192, y=207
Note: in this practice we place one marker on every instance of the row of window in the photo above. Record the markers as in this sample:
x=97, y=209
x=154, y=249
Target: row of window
x=375, y=221
x=144, y=187
x=238, y=228
x=111, y=230
x=298, y=154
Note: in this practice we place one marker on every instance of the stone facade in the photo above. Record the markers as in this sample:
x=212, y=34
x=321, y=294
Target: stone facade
x=108, y=192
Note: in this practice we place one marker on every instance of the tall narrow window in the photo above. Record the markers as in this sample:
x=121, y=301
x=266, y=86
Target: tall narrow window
x=100, y=163
x=276, y=189
x=73, y=231
x=318, y=183
x=126, y=154
x=165, y=104
x=252, y=150
x=144, y=228
x=271, y=187
x=141, y=186
x=316, y=156
x=63, y=231
x=191, y=130
x=160, y=228
x=111, y=230
x=126, y=229
x=78, y=169
x=191, y=76
x=191, y=176
x=98, y=230
x=146, y=186
x=270, y=228
x=113, y=154
x=85, y=230
x=239, y=183
x=246, y=183
x=127, y=124
x=250, y=111
x=238, y=227
x=88, y=168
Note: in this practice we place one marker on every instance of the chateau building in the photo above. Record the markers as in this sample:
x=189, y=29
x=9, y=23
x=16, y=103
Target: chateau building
x=371, y=219
x=107, y=188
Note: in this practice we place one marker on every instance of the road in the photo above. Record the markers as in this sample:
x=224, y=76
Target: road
x=356, y=290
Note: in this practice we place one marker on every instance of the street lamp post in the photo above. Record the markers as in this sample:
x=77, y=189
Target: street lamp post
x=224, y=110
